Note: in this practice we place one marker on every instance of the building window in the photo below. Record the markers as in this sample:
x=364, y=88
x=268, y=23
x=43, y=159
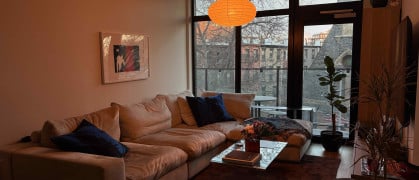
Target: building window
x=255, y=54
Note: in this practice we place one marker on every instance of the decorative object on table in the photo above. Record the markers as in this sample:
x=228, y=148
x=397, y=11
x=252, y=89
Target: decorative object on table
x=232, y=12
x=253, y=132
x=125, y=57
x=378, y=3
x=332, y=139
x=269, y=151
x=252, y=145
x=381, y=134
x=242, y=157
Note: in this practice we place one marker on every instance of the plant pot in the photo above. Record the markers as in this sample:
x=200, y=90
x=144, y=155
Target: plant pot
x=331, y=141
x=373, y=167
x=252, y=145
x=378, y=3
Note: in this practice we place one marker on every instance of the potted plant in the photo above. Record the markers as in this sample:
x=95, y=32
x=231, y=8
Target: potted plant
x=332, y=139
x=254, y=132
x=380, y=135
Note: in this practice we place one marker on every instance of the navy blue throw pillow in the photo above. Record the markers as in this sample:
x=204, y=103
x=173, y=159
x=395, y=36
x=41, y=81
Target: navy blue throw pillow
x=87, y=138
x=208, y=110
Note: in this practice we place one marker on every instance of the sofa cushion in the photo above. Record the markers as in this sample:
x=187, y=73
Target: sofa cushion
x=106, y=119
x=172, y=104
x=194, y=142
x=185, y=112
x=150, y=161
x=231, y=129
x=143, y=118
x=208, y=110
x=36, y=136
x=87, y=138
x=237, y=104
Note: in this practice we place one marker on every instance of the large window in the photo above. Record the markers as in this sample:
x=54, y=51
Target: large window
x=214, y=57
x=279, y=54
x=259, y=75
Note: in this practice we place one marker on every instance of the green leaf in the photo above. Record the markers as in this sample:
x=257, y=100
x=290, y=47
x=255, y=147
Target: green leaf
x=339, y=77
x=323, y=83
x=329, y=97
x=328, y=61
x=330, y=70
x=340, y=97
x=323, y=79
x=341, y=108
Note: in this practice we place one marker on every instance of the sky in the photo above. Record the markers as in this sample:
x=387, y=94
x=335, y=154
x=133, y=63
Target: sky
x=303, y=2
x=316, y=29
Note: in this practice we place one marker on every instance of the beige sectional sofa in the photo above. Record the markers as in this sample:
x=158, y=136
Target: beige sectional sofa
x=162, y=138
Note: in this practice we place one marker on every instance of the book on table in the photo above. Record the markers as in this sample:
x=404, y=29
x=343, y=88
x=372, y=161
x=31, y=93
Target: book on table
x=242, y=157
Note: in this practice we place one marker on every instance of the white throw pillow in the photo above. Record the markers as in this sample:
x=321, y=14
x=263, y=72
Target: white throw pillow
x=186, y=111
x=143, y=118
x=172, y=104
x=105, y=119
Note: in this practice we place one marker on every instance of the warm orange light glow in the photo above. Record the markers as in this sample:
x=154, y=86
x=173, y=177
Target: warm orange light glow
x=232, y=12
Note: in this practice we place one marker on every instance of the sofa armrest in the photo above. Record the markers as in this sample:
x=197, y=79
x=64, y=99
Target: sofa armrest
x=47, y=163
x=6, y=152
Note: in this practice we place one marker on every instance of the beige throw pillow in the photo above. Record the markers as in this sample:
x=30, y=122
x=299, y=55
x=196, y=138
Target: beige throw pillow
x=186, y=112
x=143, y=118
x=171, y=102
x=106, y=119
x=237, y=104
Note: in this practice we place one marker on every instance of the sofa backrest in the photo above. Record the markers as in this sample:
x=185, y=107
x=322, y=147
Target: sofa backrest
x=171, y=102
x=105, y=119
x=237, y=104
x=143, y=118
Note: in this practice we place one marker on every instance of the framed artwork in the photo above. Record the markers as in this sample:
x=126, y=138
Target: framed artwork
x=124, y=57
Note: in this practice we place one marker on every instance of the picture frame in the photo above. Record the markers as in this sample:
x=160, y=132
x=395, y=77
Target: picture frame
x=124, y=57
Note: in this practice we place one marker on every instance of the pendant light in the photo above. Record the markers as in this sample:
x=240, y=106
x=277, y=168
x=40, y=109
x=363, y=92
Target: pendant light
x=232, y=12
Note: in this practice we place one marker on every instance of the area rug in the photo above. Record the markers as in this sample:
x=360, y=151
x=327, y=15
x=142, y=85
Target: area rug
x=310, y=168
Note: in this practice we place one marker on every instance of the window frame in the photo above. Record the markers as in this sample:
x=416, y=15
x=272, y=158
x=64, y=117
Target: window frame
x=299, y=16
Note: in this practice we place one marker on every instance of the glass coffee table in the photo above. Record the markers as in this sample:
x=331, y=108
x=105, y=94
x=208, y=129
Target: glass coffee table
x=269, y=150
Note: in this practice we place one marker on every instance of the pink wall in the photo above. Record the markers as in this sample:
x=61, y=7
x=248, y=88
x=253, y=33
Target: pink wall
x=50, y=60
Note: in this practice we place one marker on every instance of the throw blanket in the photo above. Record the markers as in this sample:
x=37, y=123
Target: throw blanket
x=284, y=127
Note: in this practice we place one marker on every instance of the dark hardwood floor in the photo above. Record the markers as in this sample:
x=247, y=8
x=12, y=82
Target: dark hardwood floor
x=344, y=154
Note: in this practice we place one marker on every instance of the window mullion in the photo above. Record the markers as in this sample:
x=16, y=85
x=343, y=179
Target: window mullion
x=294, y=90
x=238, y=44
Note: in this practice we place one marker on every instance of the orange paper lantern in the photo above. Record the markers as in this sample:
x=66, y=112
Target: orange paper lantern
x=232, y=12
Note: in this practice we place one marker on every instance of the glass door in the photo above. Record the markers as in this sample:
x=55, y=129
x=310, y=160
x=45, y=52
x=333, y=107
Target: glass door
x=333, y=33
x=334, y=40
